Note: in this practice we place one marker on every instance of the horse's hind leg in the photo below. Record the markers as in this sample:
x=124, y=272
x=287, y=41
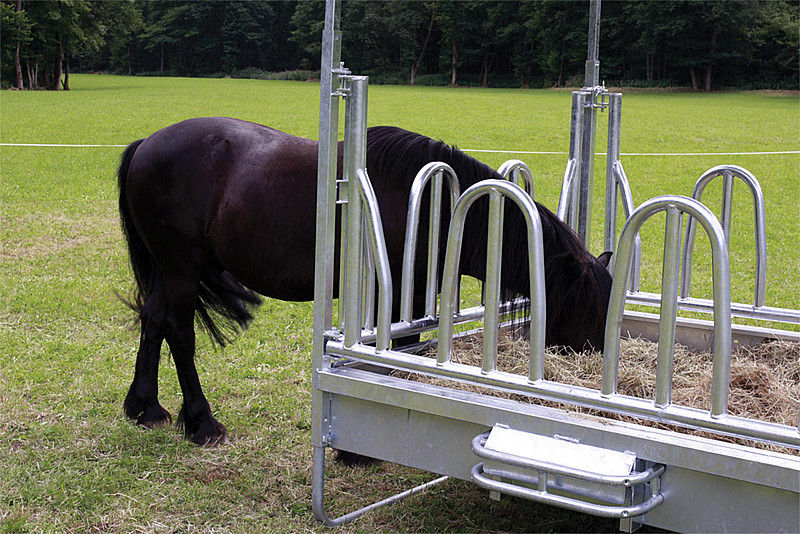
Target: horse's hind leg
x=195, y=415
x=141, y=402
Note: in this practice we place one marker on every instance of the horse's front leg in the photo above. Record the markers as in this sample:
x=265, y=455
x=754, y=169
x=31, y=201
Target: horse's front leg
x=141, y=403
x=195, y=415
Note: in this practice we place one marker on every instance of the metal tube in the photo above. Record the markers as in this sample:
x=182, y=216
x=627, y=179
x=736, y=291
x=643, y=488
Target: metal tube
x=377, y=243
x=568, y=203
x=535, y=265
x=355, y=138
x=722, y=296
x=585, y=177
x=318, y=494
x=612, y=158
x=491, y=285
x=564, y=200
x=759, y=213
x=577, y=505
x=669, y=315
x=518, y=172
x=431, y=285
x=727, y=201
x=592, y=71
x=628, y=207
x=412, y=230
x=326, y=206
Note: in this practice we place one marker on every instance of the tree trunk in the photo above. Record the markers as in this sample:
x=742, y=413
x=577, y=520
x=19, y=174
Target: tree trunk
x=709, y=70
x=693, y=74
x=33, y=76
x=17, y=64
x=416, y=67
x=454, y=75
x=561, y=63
x=58, y=67
x=66, y=74
x=161, y=68
x=710, y=66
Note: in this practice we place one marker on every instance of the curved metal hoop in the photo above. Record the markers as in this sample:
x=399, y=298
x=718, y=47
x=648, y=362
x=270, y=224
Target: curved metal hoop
x=434, y=173
x=497, y=190
x=674, y=206
x=729, y=172
x=517, y=172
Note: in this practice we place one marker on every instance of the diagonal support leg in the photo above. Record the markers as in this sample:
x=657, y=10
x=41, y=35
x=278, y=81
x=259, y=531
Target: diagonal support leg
x=318, y=494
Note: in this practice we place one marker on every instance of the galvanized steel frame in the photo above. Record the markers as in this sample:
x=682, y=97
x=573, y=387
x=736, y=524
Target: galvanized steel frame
x=344, y=397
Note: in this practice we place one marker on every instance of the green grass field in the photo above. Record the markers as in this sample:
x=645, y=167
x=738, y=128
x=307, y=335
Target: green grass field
x=70, y=462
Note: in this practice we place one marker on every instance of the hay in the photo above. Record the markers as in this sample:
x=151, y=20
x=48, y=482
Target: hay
x=764, y=384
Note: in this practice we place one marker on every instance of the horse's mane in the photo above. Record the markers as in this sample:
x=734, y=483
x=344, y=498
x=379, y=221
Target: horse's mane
x=392, y=151
x=397, y=154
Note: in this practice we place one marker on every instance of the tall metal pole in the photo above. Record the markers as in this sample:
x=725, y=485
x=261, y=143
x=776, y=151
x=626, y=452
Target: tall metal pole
x=592, y=72
x=326, y=200
x=589, y=91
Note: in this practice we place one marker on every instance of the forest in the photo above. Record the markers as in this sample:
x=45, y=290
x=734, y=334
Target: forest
x=702, y=44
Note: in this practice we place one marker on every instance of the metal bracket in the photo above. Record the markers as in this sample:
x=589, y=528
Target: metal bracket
x=600, y=97
x=343, y=73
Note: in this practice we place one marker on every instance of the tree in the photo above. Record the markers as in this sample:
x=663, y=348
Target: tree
x=47, y=34
x=16, y=28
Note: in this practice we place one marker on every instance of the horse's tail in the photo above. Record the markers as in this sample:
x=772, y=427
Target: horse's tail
x=145, y=270
x=224, y=306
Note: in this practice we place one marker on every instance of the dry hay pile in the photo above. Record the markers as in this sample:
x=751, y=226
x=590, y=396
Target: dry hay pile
x=764, y=385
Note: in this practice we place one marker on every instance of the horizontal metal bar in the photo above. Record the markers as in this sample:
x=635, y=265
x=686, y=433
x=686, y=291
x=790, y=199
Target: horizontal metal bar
x=426, y=324
x=564, y=502
x=747, y=311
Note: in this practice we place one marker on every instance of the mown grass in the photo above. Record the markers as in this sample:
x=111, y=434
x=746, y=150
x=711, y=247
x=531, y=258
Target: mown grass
x=69, y=460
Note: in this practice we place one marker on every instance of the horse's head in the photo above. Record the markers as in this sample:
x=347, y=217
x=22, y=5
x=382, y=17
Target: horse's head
x=578, y=290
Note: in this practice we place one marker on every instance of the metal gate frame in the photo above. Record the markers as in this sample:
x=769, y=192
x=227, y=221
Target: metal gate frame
x=674, y=481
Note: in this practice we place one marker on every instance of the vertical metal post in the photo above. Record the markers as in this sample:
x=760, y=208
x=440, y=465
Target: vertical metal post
x=434, y=229
x=669, y=304
x=491, y=286
x=591, y=78
x=727, y=203
x=567, y=202
x=592, y=71
x=612, y=189
x=356, y=137
x=326, y=208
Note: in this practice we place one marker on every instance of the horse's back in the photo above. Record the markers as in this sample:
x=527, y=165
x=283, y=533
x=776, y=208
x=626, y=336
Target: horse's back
x=229, y=194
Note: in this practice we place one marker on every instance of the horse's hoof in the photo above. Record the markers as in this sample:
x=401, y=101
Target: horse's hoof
x=155, y=417
x=351, y=459
x=214, y=436
x=155, y=423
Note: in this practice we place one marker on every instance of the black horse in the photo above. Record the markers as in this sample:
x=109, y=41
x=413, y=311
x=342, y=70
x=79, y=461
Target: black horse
x=219, y=210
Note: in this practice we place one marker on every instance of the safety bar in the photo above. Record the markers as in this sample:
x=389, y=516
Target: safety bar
x=517, y=171
x=565, y=204
x=543, y=481
x=729, y=172
x=497, y=190
x=377, y=246
x=434, y=173
x=674, y=206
